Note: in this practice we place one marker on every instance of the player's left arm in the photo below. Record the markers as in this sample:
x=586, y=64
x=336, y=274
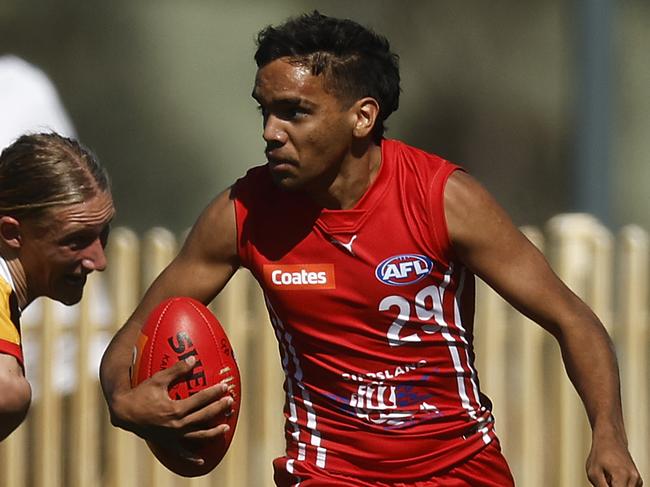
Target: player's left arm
x=489, y=244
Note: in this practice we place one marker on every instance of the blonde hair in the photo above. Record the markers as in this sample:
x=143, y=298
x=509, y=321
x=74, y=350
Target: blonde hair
x=40, y=171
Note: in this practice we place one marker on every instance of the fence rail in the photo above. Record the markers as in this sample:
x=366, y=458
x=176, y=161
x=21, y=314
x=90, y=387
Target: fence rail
x=67, y=440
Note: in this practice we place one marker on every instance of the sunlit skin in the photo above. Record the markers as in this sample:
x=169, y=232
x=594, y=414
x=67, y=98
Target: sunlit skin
x=314, y=142
x=49, y=255
x=56, y=256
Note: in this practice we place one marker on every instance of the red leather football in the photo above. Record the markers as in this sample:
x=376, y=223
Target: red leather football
x=178, y=328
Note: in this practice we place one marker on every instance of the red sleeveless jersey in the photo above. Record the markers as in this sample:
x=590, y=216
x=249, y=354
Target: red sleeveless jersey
x=374, y=320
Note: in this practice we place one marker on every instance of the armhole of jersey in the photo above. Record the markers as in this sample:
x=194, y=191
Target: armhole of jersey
x=437, y=202
x=10, y=316
x=240, y=214
x=238, y=229
x=14, y=350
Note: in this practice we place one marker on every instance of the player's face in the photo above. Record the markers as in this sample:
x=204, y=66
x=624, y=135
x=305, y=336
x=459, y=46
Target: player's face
x=307, y=130
x=57, y=255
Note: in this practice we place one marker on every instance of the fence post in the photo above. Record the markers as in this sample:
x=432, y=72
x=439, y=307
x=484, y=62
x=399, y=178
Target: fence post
x=47, y=407
x=124, y=289
x=83, y=460
x=491, y=334
x=631, y=335
x=580, y=251
x=531, y=427
x=13, y=452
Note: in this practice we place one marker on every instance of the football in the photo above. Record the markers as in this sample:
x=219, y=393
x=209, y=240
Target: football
x=178, y=328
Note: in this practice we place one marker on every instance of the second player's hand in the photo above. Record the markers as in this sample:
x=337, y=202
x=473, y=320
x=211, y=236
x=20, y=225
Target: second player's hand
x=149, y=412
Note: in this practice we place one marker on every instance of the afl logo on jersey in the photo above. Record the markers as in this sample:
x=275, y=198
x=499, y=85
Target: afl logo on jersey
x=401, y=270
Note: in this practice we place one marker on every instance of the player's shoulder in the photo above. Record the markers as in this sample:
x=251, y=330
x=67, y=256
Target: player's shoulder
x=255, y=189
x=256, y=180
x=463, y=188
x=254, y=175
x=423, y=173
x=415, y=158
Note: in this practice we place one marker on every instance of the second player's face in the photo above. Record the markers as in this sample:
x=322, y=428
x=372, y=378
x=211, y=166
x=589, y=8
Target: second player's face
x=307, y=130
x=57, y=255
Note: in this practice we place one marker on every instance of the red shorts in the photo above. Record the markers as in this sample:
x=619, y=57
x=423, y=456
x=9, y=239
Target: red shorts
x=488, y=468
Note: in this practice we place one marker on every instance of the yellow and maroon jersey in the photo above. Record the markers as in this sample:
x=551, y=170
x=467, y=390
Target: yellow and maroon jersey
x=374, y=320
x=10, y=342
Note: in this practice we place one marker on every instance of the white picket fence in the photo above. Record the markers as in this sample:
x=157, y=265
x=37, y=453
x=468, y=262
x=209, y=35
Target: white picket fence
x=67, y=440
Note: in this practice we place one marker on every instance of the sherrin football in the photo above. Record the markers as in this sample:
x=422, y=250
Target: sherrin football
x=178, y=328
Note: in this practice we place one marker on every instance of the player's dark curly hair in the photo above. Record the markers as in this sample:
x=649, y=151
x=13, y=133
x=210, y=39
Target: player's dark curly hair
x=355, y=61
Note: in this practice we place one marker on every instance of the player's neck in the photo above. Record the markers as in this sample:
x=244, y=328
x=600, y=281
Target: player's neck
x=355, y=175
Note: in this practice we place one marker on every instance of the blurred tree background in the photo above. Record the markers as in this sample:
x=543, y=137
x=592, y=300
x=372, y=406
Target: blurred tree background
x=160, y=90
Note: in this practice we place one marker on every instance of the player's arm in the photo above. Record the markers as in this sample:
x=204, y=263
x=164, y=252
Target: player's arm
x=488, y=243
x=202, y=268
x=16, y=395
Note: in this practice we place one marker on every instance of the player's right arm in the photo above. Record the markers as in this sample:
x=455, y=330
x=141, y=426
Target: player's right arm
x=488, y=243
x=206, y=262
x=16, y=395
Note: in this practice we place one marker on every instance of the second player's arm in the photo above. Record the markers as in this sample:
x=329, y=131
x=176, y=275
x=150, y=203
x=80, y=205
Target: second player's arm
x=16, y=394
x=202, y=268
x=488, y=243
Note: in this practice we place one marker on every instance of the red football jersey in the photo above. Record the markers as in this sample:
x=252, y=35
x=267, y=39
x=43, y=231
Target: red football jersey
x=374, y=320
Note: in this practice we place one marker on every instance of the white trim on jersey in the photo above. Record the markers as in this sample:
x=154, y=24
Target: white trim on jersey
x=289, y=352
x=472, y=369
x=451, y=345
x=293, y=410
x=5, y=274
x=459, y=323
x=459, y=367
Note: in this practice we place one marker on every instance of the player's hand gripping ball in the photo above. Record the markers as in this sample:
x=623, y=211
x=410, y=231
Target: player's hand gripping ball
x=177, y=329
